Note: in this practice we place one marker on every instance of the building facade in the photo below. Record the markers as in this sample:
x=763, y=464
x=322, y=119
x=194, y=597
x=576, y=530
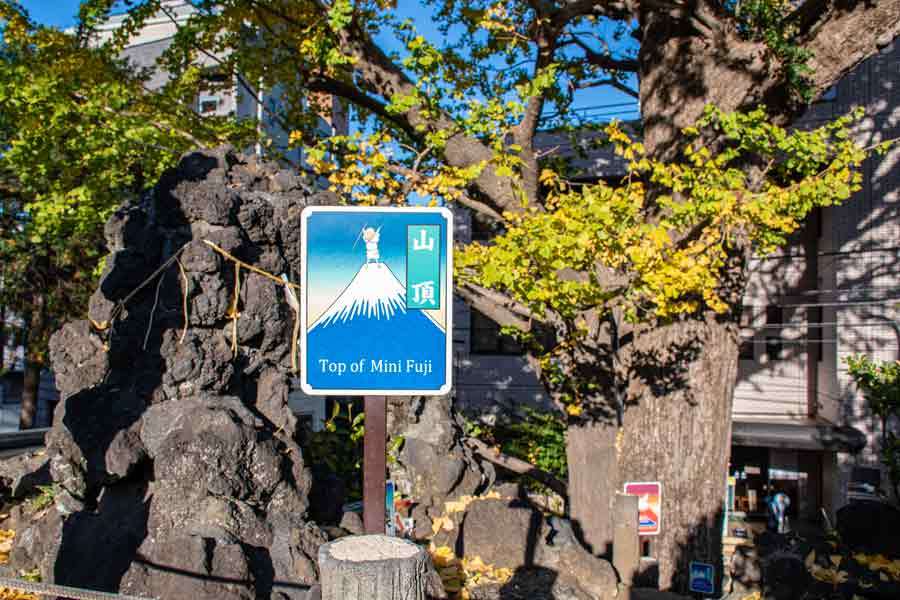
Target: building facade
x=832, y=293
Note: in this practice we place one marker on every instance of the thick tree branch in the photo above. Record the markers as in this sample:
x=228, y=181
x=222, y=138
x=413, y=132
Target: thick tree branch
x=501, y=309
x=481, y=208
x=360, y=98
x=518, y=466
x=614, y=9
x=603, y=61
x=681, y=73
x=845, y=34
x=385, y=78
x=523, y=133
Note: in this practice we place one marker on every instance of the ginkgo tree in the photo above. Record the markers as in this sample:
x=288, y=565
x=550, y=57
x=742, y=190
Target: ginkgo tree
x=637, y=284
x=79, y=133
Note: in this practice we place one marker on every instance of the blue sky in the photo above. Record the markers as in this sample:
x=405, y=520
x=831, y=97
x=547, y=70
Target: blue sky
x=61, y=13
x=333, y=259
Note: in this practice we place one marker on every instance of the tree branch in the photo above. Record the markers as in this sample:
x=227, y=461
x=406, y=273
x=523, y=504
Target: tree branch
x=518, y=466
x=501, y=309
x=612, y=83
x=602, y=60
x=481, y=208
x=319, y=83
x=614, y=9
x=159, y=125
x=385, y=78
x=844, y=35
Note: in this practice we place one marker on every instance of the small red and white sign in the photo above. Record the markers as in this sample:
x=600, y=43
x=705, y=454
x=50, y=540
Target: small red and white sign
x=649, y=495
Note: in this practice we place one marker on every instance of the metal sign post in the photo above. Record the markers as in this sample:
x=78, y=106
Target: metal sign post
x=376, y=317
x=374, y=463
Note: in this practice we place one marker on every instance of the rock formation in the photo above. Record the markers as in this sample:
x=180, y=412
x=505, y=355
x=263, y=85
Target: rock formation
x=432, y=464
x=174, y=457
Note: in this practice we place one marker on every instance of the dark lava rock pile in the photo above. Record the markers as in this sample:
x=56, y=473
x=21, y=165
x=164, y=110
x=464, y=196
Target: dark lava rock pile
x=175, y=461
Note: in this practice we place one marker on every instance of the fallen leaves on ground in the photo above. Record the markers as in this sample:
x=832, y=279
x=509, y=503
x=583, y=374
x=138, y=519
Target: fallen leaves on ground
x=445, y=522
x=878, y=562
x=460, y=575
x=6, y=540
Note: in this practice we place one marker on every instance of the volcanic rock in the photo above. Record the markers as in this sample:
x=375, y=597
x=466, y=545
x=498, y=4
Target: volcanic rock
x=173, y=454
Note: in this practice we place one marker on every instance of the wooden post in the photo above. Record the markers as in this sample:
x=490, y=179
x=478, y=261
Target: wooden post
x=374, y=463
x=372, y=567
x=626, y=542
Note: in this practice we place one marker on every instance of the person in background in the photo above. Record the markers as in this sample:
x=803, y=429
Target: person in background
x=777, y=504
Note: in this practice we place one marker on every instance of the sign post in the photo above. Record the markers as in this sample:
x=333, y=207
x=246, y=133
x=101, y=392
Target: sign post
x=374, y=463
x=376, y=316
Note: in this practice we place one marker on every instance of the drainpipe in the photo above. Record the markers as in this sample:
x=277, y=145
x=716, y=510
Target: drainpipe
x=259, y=117
x=814, y=315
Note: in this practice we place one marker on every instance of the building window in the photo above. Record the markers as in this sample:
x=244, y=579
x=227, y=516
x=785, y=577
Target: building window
x=774, y=317
x=486, y=337
x=310, y=410
x=208, y=104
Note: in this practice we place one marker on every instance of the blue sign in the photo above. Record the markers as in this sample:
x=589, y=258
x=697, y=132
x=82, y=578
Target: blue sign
x=375, y=301
x=703, y=578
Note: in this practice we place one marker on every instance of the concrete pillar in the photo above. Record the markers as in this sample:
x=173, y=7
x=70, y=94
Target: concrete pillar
x=626, y=543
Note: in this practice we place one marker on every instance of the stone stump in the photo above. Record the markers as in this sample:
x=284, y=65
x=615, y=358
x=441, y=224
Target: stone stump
x=373, y=567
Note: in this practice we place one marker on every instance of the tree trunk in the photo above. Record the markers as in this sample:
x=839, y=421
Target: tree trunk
x=373, y=567
x=34, y=363
x=676, y=430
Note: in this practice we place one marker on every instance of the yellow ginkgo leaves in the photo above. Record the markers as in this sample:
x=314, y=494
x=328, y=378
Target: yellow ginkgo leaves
x=878, y=562
x=460, y=575
x=6, y=541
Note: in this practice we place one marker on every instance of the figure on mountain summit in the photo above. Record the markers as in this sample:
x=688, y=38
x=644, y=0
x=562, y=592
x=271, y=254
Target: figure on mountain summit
x=371, y=237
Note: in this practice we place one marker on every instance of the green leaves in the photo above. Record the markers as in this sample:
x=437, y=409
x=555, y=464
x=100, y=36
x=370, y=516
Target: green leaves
x=773, y=22
x=80, y=134
x=879, y=382
x=599, y=246
x=340, y=14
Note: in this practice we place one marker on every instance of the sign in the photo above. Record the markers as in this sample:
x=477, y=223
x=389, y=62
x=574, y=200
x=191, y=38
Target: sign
x=389, y=508
x=376, y=301
x=649, y=495
x=703, y=578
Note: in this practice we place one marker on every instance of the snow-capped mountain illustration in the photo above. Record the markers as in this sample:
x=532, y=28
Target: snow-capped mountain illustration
x=403, y=348
x=374, y=292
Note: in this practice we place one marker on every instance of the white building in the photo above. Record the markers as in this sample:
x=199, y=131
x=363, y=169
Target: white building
x=239, y=97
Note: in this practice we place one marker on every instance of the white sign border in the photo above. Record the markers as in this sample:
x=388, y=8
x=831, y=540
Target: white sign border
x=304, y=218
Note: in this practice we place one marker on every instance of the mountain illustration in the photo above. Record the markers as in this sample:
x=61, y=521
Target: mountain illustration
x=369, y=322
